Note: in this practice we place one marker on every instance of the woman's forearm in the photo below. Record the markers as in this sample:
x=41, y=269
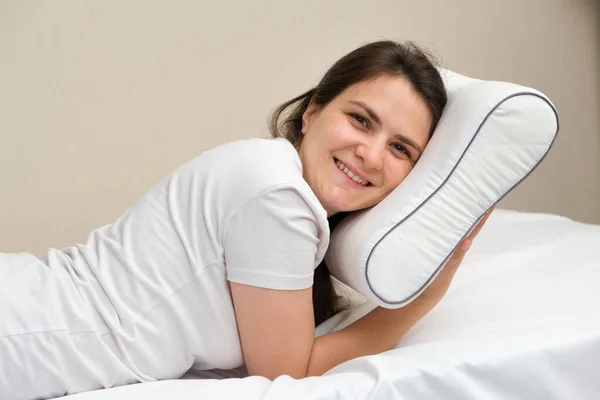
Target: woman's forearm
x=381, y=329
x=376, y=332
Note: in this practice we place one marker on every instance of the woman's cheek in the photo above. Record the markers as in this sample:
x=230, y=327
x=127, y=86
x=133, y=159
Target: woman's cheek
x=399, y=174
x=348, y=134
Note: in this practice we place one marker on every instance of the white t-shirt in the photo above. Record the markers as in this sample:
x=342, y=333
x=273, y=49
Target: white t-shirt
x=153, y=285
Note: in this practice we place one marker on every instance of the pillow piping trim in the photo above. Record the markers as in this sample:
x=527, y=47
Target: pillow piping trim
x=435, y=273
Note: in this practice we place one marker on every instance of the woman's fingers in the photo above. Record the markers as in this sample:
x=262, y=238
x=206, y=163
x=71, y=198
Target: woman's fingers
x=462, y=248
x=481, y=223
x=457, y=258
x=466, y=243
x=440, y=285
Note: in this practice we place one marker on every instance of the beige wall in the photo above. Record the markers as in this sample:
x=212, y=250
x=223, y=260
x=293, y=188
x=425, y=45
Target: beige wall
x=100, y=99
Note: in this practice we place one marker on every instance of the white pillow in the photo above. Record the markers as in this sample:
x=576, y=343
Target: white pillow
x=491, y=136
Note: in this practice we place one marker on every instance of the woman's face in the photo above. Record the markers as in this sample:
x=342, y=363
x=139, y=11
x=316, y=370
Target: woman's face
x=361, y=145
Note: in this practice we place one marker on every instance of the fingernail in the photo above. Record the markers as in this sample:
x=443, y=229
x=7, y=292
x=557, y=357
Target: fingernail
x=465, y=245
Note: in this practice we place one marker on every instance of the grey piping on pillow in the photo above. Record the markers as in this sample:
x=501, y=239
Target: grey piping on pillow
x=415, y=294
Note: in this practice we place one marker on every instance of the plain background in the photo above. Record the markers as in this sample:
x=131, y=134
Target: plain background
x=101, y=99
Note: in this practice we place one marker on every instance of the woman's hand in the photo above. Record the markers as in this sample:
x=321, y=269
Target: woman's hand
x=380, y=329
x=438, y=288
x=277, y=327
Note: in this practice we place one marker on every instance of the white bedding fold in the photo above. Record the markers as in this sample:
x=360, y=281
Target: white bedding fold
x=520, y=321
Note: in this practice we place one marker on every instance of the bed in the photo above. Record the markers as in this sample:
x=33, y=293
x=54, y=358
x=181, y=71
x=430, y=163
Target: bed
x=520, y=321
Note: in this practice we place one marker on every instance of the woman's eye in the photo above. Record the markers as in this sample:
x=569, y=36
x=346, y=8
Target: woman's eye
x=401, y=149
x=361, y=120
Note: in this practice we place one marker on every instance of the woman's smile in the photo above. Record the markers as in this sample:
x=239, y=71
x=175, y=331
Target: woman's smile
x=350, y=175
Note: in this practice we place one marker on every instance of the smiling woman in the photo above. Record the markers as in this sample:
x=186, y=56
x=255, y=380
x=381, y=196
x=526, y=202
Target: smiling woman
x=359, y=131
x=220, y=263
x=371, y=116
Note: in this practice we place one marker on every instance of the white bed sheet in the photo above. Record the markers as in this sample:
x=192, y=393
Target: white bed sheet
x=520, y=321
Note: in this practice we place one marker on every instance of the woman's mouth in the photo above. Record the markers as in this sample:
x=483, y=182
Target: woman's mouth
x=349, y=174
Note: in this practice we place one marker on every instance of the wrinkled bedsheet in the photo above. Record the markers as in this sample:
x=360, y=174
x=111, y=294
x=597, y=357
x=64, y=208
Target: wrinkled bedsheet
x=520, y=321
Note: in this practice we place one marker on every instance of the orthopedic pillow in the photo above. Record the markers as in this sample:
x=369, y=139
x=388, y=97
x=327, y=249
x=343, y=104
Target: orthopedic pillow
x=491, y=136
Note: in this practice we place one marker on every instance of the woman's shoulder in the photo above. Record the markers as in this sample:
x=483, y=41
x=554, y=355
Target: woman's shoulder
x=267, y=169
x=259, y=176
x=259, y=152
x=257, y=164
x=242, y=169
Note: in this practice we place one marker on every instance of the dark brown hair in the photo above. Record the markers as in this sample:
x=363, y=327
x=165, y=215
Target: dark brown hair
x=405, y=60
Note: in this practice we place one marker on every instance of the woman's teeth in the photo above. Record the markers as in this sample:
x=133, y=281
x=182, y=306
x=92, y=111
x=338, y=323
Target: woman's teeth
x=355, y=178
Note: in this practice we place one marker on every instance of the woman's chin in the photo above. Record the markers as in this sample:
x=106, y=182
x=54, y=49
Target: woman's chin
x=342, y=201
x=337, y=208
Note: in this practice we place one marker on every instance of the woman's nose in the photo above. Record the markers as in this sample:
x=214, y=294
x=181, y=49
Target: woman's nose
x=372, y=152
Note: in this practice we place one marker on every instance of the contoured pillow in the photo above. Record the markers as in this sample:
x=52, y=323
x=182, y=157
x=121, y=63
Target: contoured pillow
x=491, y=136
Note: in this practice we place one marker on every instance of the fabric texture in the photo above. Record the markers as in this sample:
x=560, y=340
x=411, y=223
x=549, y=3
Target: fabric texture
x=520, y=321
x=147, y=297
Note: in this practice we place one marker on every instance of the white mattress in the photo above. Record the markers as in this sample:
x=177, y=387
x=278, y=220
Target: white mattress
x=520, y=321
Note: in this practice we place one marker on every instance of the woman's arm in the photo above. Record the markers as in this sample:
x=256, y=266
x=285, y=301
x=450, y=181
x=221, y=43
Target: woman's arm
x=277, y=327
x=277, y=332
x=382, y=328
x=376, y=332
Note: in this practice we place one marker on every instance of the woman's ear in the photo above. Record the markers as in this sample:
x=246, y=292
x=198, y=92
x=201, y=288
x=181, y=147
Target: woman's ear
x=308, y=114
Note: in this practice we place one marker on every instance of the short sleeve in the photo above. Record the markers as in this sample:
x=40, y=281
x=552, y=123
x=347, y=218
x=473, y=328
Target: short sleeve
x=274, y=241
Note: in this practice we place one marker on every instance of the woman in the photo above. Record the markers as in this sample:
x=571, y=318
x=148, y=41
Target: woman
x=214, y=266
